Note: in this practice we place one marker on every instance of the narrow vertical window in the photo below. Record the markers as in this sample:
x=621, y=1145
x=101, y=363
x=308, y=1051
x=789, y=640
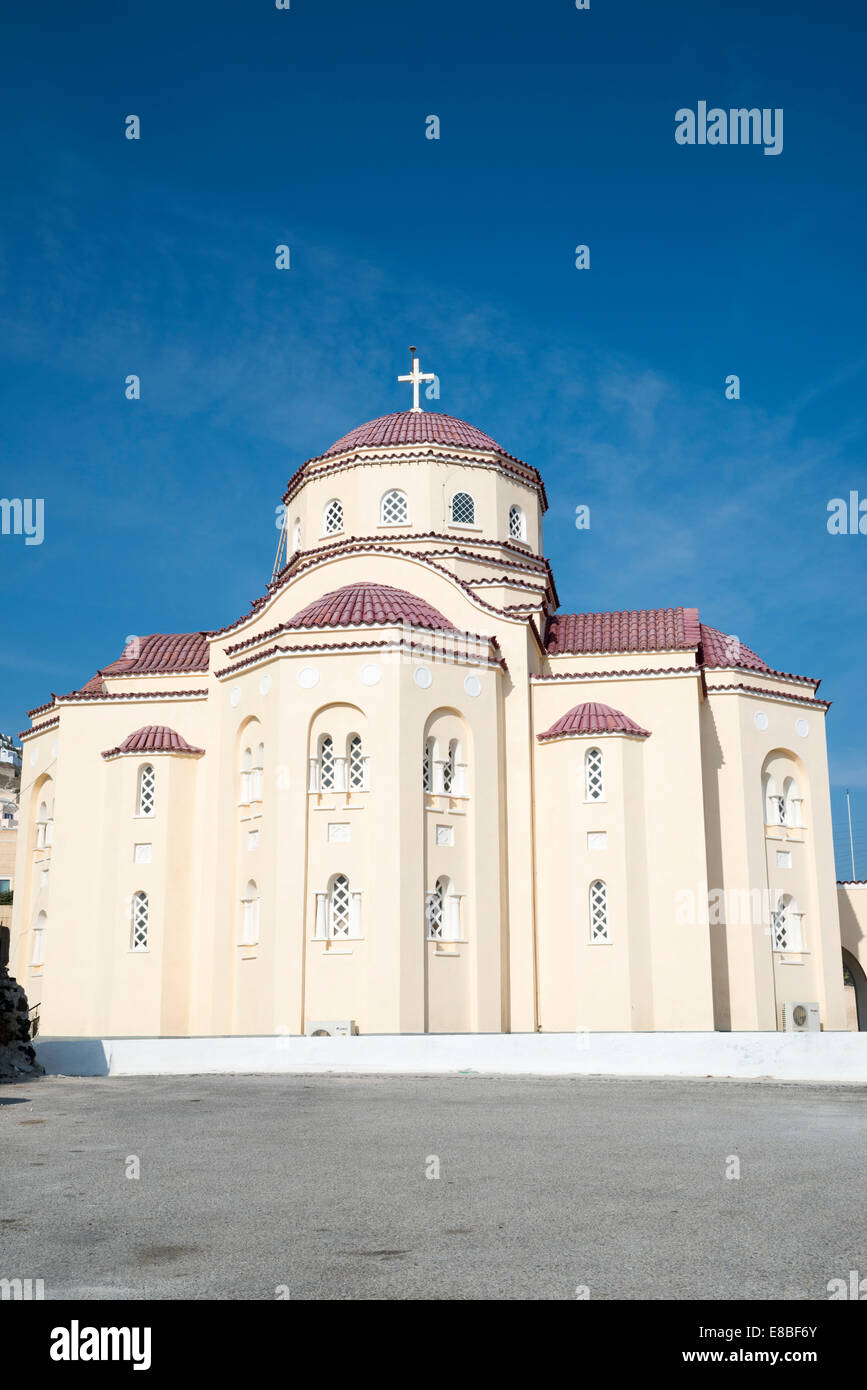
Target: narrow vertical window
x=250, y=914
x=517, y=524
x=594, y=784
x=257, y=778
x=357, y=769
x=42, y=826
x=332, y=518
x=434, y=906
x=140, y=914
x=246, y=775
x=427, y=765
x=599, y=911
x=326, y=763
x=37, y=954
x=339, y=906
x=296, y=536
x=147, y=784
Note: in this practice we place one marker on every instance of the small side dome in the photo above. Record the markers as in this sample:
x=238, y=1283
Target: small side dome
x=593, y=719
x=360, y=605
x=154, y=738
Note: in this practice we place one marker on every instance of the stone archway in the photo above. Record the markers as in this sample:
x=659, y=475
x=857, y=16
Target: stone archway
x=855, y=979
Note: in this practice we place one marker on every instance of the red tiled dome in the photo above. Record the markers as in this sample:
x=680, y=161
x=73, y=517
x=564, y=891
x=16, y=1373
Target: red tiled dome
x=153, y=738
x=593, y=718
x=414, y=427
x=358, y=604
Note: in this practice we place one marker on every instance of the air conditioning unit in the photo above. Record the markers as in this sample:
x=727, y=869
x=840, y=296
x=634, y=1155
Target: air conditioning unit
x=340, y=1028
x=801, y=1018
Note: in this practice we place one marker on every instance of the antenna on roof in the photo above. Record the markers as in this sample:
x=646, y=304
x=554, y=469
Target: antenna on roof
x=280, y=557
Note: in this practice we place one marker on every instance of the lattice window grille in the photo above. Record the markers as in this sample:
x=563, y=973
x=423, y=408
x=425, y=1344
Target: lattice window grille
x=140, y=913
x=147, y=791
x=449, y=771
x=593, y=774
x=598, y=911
x=395, y=509
x=516, y=523
x=339, y=907
x=427, y=768
x=434, y=913
x=333, y=518
x=326, y=764
x=780, y=928
x=356, y=765
x=463, y=509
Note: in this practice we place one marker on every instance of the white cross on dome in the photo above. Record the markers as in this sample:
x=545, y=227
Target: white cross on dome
x=416, y=376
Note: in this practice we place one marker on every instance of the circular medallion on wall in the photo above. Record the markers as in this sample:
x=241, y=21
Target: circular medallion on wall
x=371, y=674
x=473, y=686
x=802, y=728
x=264, y=685
x=422, y=677
x=235, y=696
x=307, y=677
x=761, y=720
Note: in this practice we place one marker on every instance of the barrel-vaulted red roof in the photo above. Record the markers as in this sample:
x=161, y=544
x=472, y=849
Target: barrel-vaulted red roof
x=413, y=427
x=593, y=718
x=153, y=738
x=637, y=630
x=359, y=605
x=161, y=652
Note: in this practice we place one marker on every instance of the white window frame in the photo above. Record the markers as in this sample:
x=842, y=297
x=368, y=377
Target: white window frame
x=37, y=948
x=593, y=769
x=324, y=929
x=518, y=514
x=327, y=528
x=250, y=913
x=472, y=501
x=388, y=498
x=442, y=912
x=140, y=911
x=599, y=913
x=145, y=810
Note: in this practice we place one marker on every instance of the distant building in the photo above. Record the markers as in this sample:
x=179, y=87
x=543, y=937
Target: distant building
x=10, y=765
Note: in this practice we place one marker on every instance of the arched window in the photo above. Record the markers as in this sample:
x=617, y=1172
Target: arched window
x=139, y=924
x=594, y=782
x=332, y=518
x=427, y=765
x=357, y=765
x=443, y=912
x=599, y=911
x=449, y=768
x=793, y=814
x=787, y=925
x=775, y=804
x=463, y=510
x=339, y=902
x=258, y=774
x=296, y=536
x=246, y=776
x=147, y=785
x=394, y=508
x=250, y=914
x=44, y=827
x=326, y=763
x=517, y=523
x=37, y=952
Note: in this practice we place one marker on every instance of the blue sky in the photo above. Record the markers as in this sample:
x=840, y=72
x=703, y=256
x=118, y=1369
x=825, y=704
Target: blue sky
x=307, y=127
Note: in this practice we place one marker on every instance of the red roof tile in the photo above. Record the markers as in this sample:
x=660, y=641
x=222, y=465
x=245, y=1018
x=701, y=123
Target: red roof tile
x=160, y=652
x=638, y=630
x=593, y=718
x=413, y=427
x=720, y=649
x=357, y=605
x=153, y=738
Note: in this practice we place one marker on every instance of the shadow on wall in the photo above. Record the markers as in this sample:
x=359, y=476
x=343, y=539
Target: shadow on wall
x=72, y=1056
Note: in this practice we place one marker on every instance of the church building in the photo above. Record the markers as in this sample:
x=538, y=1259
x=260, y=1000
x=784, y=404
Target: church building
x=405, y=791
